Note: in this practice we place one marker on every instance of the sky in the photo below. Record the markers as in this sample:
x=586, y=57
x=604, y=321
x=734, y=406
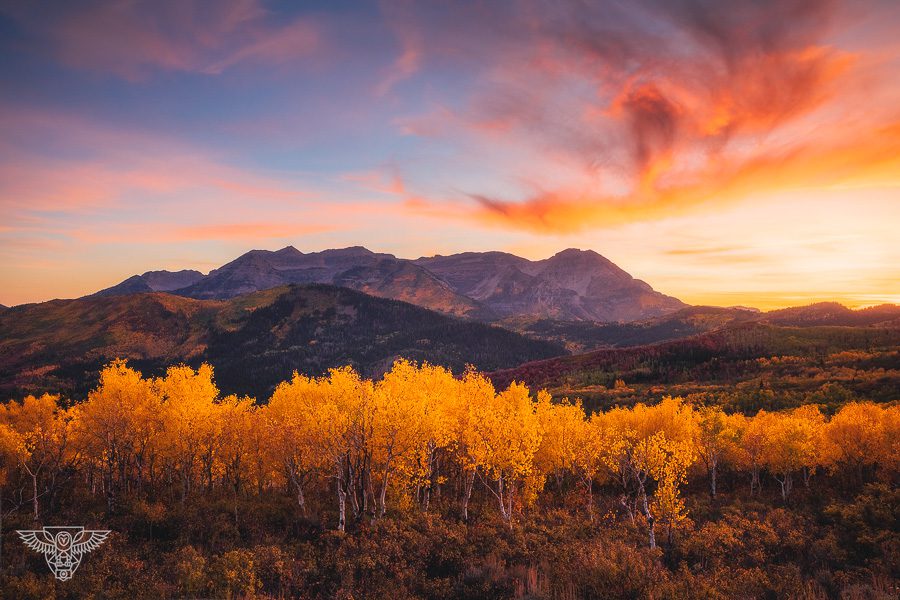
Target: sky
x=728, y=153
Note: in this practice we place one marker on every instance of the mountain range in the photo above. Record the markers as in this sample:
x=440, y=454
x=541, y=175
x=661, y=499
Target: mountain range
x=578, y=285
x=266, y=314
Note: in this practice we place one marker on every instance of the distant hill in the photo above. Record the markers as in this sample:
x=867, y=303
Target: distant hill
x=254, y=340
x=832, y=313
x=584, y=336
x=489, y=286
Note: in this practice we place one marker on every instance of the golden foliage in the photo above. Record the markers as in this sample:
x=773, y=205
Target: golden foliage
x=393, y=442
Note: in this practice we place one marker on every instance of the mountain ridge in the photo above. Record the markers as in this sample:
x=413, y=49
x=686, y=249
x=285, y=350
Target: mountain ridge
x=153, y=281
x=486, y=286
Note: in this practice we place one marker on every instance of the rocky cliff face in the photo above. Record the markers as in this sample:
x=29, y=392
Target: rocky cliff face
x=572, y=285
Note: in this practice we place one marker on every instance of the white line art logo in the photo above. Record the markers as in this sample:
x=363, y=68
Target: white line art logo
x=63, y=546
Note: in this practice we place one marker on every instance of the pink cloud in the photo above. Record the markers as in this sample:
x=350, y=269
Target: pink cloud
x=382, y=181
x=412, y=47
x=166, y=233
x=134, y=188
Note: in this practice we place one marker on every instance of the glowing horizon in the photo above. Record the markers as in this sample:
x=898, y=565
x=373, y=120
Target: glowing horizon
x=740, y=154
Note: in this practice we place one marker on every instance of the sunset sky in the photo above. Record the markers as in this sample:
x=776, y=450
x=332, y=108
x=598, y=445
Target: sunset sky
x=725, y=152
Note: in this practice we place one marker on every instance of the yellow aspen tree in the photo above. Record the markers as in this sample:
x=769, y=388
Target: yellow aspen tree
x=40, y=433
x=672, y=460
x=291, y=422
x=855, y=437
x=790, y=444
x=400, y=427
x=342, y=403
x=811, y=423
x=888, y=453
x=651, y=435
x=11, y=450
x=474, y=390
x=235, y=448
x=597, y=450
x=119, y=429
x=561, y=426
x=715, y=438
x=263, y=468
x=437, y=393
x=190, y=421
x=754, y=436
x=506, y=436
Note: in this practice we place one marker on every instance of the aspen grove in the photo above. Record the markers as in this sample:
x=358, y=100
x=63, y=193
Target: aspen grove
x=349, y=449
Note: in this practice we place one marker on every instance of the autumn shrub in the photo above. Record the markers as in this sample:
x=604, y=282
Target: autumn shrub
x=233, y=575
x=188, y=569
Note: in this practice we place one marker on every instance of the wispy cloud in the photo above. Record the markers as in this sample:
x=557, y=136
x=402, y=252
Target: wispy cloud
x=662, y=107
x=166, y=233
x=133, y=39
x=93, y=166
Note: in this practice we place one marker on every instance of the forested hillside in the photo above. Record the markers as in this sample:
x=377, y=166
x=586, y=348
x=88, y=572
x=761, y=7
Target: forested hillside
x=585, y=336
x=254, y=341
x=744, y=366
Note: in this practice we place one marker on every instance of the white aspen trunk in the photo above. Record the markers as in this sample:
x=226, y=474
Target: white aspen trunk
x=510, y=489
x=503, y=512
x=590, y=498
x=651, y=524
x=301, y=500
x=786, y=485
x=467, y=494
x=34, y=491
x=383, y=493
x=34, y=488
x=342, y=500
x=624, y=502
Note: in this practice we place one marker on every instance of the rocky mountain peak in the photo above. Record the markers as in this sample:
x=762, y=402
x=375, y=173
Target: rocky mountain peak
x=573, y=284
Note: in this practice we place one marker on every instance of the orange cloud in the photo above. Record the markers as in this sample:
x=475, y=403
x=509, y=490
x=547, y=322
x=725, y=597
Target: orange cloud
x=694, y=104
x=871, y=156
